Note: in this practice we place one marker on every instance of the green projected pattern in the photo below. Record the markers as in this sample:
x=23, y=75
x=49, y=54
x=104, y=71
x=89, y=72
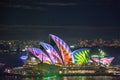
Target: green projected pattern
x=80, y=56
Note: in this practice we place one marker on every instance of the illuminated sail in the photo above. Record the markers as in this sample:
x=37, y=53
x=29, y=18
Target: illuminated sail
x=80, y=56
x=63, y=48
x=104, y=60
x=39, y=54
x=51, y=52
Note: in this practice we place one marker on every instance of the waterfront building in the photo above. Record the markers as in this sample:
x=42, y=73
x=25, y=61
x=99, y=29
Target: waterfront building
x=64, y=56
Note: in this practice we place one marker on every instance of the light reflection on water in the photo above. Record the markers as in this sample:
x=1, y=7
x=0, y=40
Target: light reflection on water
x=64, y=78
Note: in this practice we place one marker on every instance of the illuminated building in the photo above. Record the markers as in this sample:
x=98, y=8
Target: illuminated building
x=64, y=56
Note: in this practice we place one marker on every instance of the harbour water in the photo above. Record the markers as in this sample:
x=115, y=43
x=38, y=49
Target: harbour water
x=63, y=78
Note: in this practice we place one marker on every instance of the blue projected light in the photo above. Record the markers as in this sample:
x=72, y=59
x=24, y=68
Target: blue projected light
x=24, y=57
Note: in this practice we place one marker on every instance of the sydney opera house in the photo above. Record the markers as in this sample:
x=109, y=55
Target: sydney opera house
x=58, y=52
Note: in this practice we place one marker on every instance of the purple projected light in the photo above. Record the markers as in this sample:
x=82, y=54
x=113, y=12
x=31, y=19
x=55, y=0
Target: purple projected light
x=106, y=60
x=51, y=52
x=95, y=59
x=39, y=54
x=24, y=57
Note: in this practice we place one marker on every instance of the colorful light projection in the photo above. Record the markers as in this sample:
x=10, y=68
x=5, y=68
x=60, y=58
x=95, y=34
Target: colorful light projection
x=80, y=56
x=39, y=54
x=96, y=59
x=51, y=52
x=104, y=61
x=24, y=56
x=63, y=48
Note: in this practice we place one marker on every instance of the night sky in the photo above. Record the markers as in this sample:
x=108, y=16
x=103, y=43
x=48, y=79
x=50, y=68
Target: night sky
x=68, y=19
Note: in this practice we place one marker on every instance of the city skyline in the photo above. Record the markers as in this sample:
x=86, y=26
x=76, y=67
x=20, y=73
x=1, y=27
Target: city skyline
x=70, y=19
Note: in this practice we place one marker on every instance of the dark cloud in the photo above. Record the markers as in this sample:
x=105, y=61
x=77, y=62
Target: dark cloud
x=66, y=18
x=58, y=4
x=3, y=4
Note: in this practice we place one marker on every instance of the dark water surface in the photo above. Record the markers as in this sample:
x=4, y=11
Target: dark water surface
x=63, y=78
